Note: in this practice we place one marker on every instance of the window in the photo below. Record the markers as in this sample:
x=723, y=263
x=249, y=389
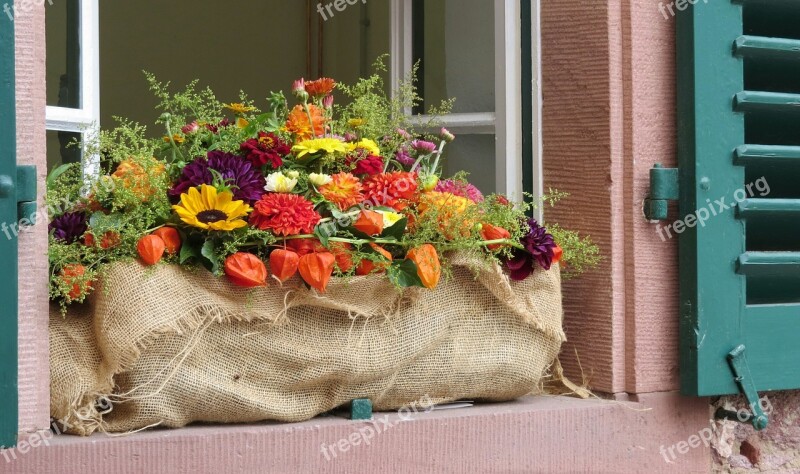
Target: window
x=73, y=102
x=471, y=50
x=468, y=49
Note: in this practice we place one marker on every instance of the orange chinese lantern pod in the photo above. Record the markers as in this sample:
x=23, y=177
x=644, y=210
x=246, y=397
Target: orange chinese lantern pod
x=317, y=268
x=491, y=232
x=151, y=249
x=558, y=253
x=429, y=269
x=341, y=251
x=368, y=266
x=246, y=270
x=369, y=222
x=171, y=238
x=72, y=275
x=305, y=246
x=283, y=263
x=110, y=239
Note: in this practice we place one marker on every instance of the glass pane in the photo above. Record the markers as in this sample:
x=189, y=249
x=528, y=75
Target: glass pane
x=62, y=20
x=475, y=155
x=213, y=48
x=60, y=149
x=454, y=43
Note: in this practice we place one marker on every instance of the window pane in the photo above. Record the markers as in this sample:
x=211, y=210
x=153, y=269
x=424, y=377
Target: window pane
x=283, y=45
x=454, y=42
x=63, y=53
x=60, y=149
x=475, y=155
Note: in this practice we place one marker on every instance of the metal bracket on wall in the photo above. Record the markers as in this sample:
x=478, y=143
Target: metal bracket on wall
x=663, y=188
x=741, y=373
x=26, y=194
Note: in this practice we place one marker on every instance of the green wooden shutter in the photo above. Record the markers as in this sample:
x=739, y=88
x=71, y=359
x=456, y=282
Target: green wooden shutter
x=738, y=123
x=8, y=242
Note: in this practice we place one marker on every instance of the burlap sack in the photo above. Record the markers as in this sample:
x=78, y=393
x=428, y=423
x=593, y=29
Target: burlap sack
x=184, y=346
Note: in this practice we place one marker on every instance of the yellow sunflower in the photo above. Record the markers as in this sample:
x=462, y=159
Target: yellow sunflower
x=207, y=209
x=315, y=145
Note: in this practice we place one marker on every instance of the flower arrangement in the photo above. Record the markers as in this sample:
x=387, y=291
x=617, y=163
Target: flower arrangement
x=314, y=189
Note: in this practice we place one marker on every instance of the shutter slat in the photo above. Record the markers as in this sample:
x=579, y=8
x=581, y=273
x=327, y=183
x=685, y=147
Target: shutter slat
x=752, y=154
x=756, y=101
x=780, y=208
x=769, y=264
x=760, y=47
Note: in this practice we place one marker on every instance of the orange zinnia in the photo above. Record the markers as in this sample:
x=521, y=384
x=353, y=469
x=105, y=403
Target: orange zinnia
x=448, y=209
x=297, y=123
x=344, y=191
x=321, y=87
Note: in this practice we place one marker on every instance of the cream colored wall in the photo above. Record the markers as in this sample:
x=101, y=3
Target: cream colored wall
x=240, y=44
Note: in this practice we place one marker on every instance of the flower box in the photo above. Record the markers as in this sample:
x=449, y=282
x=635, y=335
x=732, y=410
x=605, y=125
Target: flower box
x=168, y=346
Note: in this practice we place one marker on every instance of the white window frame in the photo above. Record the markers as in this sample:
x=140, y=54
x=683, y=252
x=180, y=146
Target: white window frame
x=86, y=119
x=506, y=121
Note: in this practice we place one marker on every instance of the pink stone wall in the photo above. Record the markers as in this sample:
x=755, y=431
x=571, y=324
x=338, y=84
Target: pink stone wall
x=609, y=114
x=34, y=370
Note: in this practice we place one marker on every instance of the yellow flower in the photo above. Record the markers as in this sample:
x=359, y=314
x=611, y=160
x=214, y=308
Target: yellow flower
x=365, y=144
x=175, y=138
x=315, y=145
x=389, y=218
x=356, y=122
x=241, y=123
x=207, y=209
x=239, y=108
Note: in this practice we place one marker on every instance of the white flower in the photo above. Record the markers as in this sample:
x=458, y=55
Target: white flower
x=293, y=174
x=318, y=179
x=389, y=218
x=279, y=183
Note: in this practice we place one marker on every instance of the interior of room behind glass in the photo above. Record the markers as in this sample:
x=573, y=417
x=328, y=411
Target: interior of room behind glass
x=260, y=46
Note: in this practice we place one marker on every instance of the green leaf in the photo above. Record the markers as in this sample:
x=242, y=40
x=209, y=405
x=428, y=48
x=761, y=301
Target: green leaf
x=404, y=274
x=396, y=231
x=211, y=259
x=53, y=176
x=188, y=252
x=321, y=235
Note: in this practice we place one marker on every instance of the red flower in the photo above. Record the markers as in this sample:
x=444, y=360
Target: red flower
x=284, y=214
x=267, y=148
x=391, y=189
x=370, y=165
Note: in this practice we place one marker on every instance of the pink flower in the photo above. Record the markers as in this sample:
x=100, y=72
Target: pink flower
x=423, y=146
x=327, y=102
x=190, y=128
x=460, y=188
x=370, y=165
x=446, y=135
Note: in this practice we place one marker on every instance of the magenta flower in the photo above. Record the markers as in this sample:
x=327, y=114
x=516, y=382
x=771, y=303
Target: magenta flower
x=68, y=227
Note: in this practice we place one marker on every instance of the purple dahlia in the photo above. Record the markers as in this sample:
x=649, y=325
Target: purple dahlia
x=246, y=182
x=68, y=227
x=539, y=249
x=460, y=188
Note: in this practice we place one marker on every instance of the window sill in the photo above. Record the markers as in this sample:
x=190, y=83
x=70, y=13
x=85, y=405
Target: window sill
x=548, y=434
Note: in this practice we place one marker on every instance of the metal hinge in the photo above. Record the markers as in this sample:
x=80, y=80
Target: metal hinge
x=663, y=188
x=741, y=374
x=24, y=193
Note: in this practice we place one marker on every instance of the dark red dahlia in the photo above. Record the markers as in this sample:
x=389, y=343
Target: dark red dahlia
x=539, y=249
x=267, y=148
x=246, y=181
x=68, y=227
